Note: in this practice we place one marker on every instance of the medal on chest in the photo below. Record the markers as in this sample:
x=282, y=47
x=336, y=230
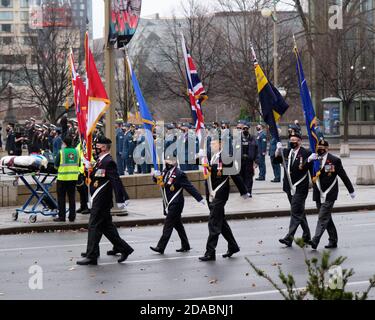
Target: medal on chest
x=300, y=163
x=96, y=184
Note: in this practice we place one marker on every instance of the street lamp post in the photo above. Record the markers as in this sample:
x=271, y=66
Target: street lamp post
x=268, y=12
x=109, y=81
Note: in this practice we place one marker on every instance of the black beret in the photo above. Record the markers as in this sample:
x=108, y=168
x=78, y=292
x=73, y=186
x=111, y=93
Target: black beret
x=323, y=143
x=296, y=134
x=103, y=140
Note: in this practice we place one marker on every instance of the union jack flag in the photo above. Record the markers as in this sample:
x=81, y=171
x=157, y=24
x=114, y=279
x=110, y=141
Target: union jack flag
x=197, y=96
x=195, y=90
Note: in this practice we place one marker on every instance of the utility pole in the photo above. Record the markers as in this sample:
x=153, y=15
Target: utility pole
x=109, y=63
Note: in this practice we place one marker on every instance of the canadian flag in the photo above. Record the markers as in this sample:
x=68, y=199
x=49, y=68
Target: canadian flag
x=98, y=102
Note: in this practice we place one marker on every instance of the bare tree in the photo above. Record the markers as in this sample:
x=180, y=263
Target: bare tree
x=204, y=43
x=241, y=26
x=346, y=67
x=44, y=72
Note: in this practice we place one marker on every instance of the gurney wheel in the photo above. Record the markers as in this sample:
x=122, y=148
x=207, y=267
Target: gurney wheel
x=32, y=219
x=15, y=216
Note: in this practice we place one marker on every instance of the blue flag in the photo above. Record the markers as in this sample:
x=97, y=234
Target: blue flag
x=148, y=122
x=309, y=113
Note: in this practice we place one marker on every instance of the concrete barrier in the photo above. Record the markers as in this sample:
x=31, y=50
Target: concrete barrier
x=365, y=175
x=344, y=151
x=8, y=195
x=140, y=186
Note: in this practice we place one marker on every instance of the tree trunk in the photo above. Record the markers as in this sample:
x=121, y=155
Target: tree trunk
x=346, y=106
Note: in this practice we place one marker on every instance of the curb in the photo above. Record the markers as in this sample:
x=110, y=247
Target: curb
x=187, y=219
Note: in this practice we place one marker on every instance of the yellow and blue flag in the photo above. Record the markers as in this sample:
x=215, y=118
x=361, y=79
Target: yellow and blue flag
x=272, y=103
x=309, y=113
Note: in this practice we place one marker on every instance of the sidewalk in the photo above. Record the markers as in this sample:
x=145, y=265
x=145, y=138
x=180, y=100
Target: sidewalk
x=265, y=203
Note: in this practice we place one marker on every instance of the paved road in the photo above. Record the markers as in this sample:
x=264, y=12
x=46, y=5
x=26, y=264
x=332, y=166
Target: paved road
x=147, y=275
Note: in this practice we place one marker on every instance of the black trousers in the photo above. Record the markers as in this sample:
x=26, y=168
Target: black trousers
x=247, y=174
x=83, y=191
x=325, y=222
x=298, y=216
x=100, y=224
x=217, y=225
x=173, y=221
x=64, y=188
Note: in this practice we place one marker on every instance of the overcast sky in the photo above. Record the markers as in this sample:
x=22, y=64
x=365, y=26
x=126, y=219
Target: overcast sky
x=165, y=8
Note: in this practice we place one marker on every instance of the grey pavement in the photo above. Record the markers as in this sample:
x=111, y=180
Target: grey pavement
x=268, y=200
x=147, y=275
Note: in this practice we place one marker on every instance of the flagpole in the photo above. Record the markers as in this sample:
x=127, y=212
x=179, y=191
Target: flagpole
x=109, y=82
x=282, y=149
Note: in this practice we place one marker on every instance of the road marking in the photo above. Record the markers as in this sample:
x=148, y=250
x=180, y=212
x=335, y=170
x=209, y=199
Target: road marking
x=260, y=293
x=62, y=246
x=364, y=224
x=151, y=260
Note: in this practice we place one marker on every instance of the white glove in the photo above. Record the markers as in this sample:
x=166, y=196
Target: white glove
x=203, y=203
x=279, y=145
x=156, y=173
x=352, y=195
x=127, y=202
x=201, y=153
x=312, y=157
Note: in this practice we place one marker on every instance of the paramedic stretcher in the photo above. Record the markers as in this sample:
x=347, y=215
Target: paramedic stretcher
x=38, y=168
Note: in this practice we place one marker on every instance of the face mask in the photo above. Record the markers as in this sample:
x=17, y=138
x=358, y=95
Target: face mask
x=294, y=145
x=246, y=133
x=321, y=152
x=169, y=166
x=7, y=129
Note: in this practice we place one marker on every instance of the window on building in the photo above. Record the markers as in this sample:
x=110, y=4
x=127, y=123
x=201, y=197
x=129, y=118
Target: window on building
x=6, y=28
x=24, y=3
x=6, y=40
x=6, y=15
x=6, y=3
x=12, y=59
x=24, y=15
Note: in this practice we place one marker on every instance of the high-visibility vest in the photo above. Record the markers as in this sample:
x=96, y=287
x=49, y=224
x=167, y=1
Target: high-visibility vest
x=69, y=165
x=80, y=155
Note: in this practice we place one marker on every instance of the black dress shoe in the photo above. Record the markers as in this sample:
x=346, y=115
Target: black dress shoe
x=79, y=210
x=275, y=180
x=208, y=258
x=230, y=253
x=86, y=262
x=183, y=249
x=58, y=220
x=86, y=211
x=288, y=243
x=84, y=254
x=72, y=219
x=331, y=246
x=112, y=253
x=313, y=244
x=260, y=179
x=124, y=256
x=157, y=249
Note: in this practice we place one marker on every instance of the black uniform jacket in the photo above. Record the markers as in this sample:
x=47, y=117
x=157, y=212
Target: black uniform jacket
x=298, y=169
x=218, y=177
x=174, y=181
x=105, y=180
x=331, y=169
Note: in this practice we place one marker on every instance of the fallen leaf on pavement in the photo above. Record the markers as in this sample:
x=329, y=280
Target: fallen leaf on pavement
x=246, y=274
x=253, y=285
x=101, y=291
x=260, y=242
x=213, y=281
